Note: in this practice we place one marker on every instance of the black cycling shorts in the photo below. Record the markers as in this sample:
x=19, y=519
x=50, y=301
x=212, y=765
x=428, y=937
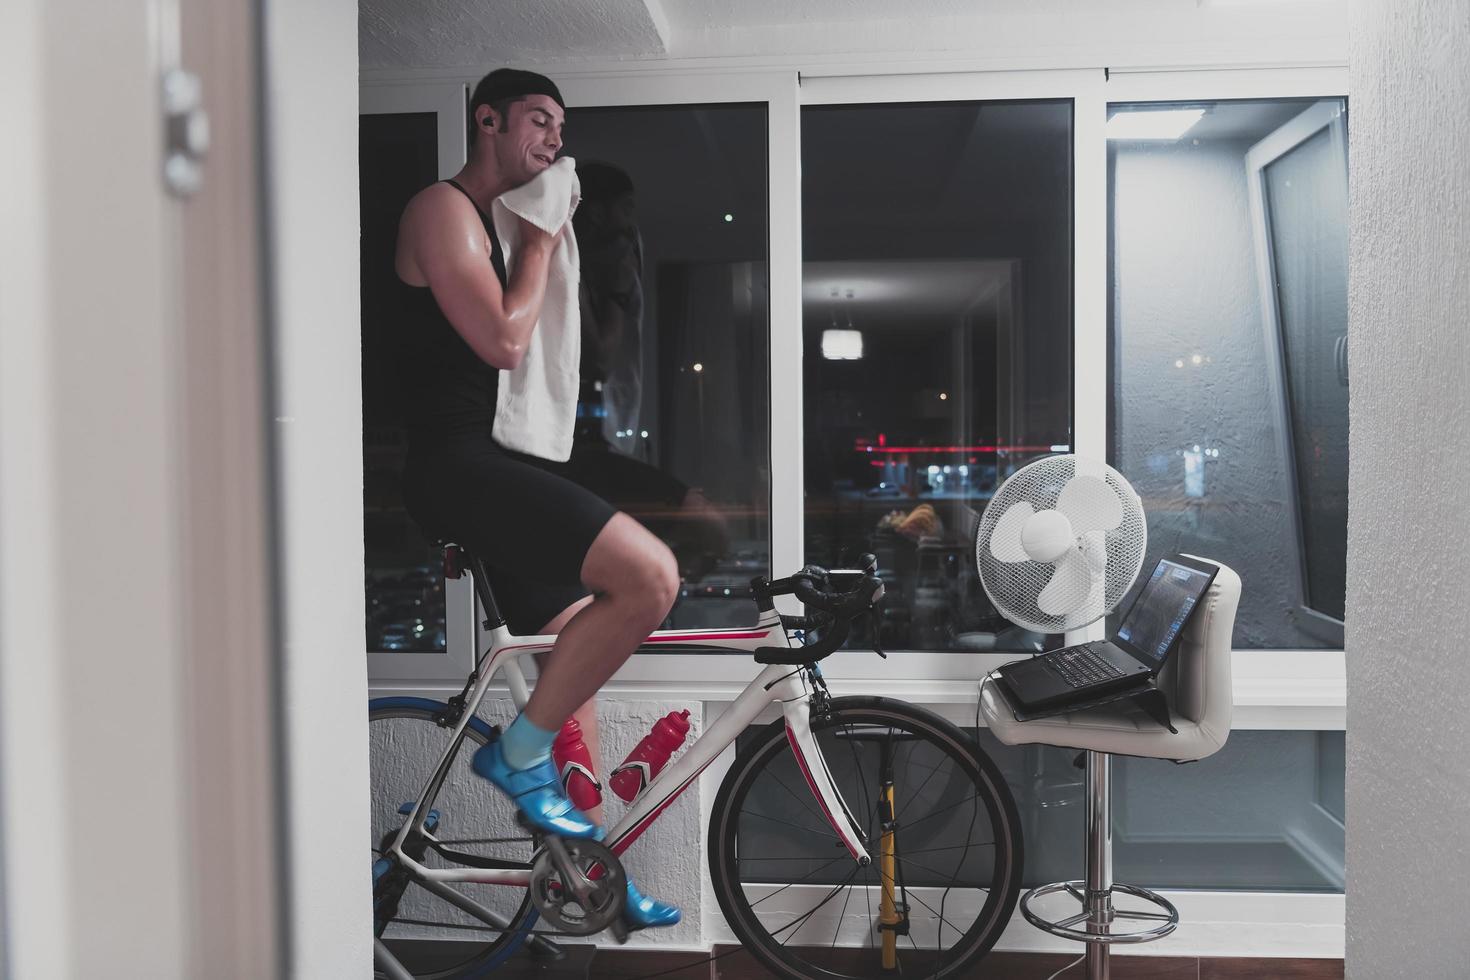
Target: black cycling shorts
x=530, y=524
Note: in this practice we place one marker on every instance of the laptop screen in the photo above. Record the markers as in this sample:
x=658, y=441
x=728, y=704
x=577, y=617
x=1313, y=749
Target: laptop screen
x=1163, y=607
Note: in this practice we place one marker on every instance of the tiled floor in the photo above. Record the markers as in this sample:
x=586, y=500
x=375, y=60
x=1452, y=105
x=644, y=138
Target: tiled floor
x=736, y=964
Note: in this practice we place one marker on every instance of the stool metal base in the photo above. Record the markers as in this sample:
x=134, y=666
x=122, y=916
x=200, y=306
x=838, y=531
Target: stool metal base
x=1096, y=918
x=1094, y=925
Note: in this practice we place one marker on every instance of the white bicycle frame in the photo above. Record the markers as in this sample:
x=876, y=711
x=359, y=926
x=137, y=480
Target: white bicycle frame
x=787, y=685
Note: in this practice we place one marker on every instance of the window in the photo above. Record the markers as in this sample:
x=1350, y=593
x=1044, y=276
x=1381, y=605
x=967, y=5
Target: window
x=419, y=625
x=1228, y=254
x=937, y=327
x=405, y=587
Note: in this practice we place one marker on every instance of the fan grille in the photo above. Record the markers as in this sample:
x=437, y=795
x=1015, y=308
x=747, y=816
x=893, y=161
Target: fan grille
x=1013, y=587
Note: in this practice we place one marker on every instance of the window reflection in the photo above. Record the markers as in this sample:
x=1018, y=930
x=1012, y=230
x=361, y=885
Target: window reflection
x=672, y=422
x=937, y=285
x=1229, y=375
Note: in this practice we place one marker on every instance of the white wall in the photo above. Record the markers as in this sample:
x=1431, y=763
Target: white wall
x=1408, y=740
x=311, y=67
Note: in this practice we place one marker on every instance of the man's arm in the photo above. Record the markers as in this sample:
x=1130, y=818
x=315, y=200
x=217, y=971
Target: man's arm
x=446, y=245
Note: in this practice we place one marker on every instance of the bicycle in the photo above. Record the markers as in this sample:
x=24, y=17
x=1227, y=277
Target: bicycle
x=778, y=860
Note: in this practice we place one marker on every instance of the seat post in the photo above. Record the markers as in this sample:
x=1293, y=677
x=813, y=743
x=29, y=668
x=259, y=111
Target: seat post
x=1099, y=903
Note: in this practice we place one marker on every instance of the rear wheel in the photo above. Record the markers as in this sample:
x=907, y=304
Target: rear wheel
x=424, y=929
x=942, y=829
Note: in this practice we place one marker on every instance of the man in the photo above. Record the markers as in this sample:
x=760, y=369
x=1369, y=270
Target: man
x=563, y=561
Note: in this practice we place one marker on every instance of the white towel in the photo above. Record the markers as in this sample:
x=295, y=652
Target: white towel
x=536, y=404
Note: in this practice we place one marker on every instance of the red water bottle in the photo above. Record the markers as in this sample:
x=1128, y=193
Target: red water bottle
x=574, y=763
x=645, y=761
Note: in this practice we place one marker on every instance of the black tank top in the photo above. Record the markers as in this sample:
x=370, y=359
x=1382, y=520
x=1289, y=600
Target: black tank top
x=448, y=390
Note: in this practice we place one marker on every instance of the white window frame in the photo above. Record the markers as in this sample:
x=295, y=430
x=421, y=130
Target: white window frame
x=1312, y=120
x=1274, y=689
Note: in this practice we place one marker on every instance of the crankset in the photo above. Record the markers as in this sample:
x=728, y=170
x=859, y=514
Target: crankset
x=579, y=887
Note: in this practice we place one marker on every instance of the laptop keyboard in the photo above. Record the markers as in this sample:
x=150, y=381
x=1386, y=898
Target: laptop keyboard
x=1080, y=667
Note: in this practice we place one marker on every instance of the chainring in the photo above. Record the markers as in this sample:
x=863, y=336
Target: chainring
x=605, y=881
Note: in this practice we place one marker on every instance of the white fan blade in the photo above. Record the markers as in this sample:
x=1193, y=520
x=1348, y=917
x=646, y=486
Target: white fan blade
x=1068, y=587
x=1090, y=504
x=1095, y=550
x=1095, y=554
x=1005, y=538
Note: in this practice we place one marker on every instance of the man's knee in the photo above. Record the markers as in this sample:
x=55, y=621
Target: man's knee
x=628, y=562
x=649, y=579
x=663, y=580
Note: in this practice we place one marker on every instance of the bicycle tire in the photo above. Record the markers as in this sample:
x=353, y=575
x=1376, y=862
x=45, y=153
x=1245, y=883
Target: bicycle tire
x=763, y=758
x=415, y=711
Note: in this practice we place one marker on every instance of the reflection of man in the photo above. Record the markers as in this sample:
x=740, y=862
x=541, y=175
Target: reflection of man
x=612, y=303
x=612, y=379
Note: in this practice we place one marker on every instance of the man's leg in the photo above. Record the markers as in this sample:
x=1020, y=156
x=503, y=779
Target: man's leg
x=634, y=580
x=586, y=715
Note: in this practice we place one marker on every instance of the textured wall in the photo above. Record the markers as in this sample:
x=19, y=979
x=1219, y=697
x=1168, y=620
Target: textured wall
x=1408, y=734
x=1187, y=287
x=665, y=861
x=468, y=32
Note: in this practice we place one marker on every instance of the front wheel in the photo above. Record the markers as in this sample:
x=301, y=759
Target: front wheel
x=942, y=829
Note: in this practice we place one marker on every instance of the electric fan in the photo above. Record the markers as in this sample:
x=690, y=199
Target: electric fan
x=1060, y=543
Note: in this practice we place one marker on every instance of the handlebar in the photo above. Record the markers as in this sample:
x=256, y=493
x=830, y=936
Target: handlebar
x=813, y=585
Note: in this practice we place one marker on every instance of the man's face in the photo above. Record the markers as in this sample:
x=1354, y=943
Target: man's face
x=527, y=141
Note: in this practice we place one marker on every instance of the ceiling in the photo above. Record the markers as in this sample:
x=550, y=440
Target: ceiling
x=402, y=34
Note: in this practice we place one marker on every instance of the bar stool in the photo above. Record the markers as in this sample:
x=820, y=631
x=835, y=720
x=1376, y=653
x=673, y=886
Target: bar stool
x=1196, y=687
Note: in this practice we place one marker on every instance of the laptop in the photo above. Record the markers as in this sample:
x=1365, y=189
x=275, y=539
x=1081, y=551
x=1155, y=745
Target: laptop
x=1134, y=654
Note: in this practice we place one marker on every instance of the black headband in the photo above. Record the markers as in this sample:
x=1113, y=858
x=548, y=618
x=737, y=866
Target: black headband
x=511, y=83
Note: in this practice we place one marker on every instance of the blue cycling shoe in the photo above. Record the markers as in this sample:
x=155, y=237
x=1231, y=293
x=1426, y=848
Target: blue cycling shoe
x=537, y=792
x=642, y=912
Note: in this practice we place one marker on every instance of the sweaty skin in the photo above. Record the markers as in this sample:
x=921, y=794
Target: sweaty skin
x=442, y=243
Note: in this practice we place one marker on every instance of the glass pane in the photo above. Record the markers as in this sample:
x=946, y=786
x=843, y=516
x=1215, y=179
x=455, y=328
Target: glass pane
x=937, y=307
x=1245, y=819
x=1306, y=203
x=397, y=157
x=673, y=423
x=1197, y=425
x=1251, y=817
